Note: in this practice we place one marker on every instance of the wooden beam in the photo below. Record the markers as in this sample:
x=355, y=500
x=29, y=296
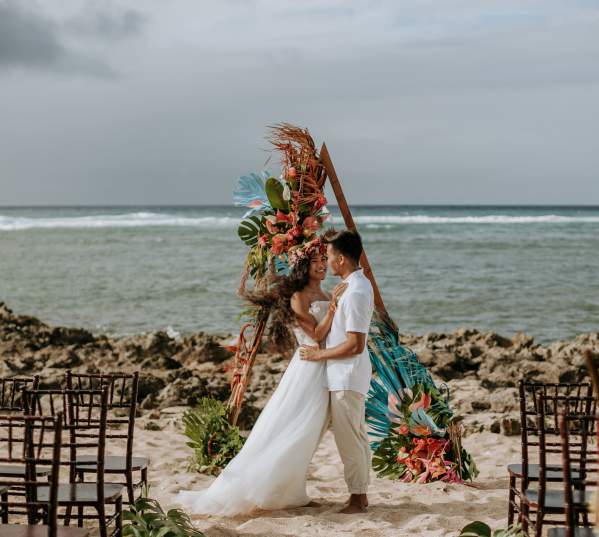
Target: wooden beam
x=326, y=161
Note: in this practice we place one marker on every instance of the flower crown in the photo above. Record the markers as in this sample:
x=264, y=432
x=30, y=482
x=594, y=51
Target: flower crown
x=306, y=251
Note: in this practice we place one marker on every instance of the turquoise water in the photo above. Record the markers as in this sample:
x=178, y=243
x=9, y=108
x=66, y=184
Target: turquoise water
x=132, y=269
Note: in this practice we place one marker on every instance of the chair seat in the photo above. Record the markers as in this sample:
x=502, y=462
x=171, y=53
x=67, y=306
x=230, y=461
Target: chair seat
x=17, y=470
x=112, y=464
x=21, y=530
x=554, y=473
x=578, y=532
x=82, y=493
x=554, y=499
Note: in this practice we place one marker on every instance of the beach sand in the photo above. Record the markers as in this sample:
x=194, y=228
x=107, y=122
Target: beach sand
x=396, y=509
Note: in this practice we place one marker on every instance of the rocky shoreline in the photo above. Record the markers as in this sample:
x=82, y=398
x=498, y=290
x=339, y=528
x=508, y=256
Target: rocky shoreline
x=481, y=369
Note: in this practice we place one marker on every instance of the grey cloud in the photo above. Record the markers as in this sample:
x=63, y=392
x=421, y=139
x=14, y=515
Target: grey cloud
x=31, y=40
x=107, y=25
x=27, y=38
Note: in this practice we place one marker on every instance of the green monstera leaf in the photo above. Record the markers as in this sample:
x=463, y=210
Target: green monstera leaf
x=250, y=229
x=274, y=191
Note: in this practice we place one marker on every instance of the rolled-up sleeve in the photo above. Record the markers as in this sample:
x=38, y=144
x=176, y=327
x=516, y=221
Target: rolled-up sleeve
x=358, y=312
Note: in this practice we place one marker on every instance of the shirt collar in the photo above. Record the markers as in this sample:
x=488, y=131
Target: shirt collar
x=353, y=275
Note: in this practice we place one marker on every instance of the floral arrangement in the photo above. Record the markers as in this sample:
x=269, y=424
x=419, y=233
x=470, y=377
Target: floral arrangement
x=412, y=429
x=285, y=213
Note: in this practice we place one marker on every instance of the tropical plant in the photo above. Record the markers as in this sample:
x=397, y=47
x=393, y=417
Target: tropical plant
x=214, y=440
x=147, y=518
x=480, y=529
x=414, y=437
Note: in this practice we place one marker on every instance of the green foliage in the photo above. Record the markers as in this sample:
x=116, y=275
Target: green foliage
x=384, y=459
x=146, y=518
x=274, y=192
x=250, y=228
x=214, y=441
x=480, y=529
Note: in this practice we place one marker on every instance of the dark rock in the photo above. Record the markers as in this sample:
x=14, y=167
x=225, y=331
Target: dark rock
x=70, y=336
x=480, y=406
x=149, y=385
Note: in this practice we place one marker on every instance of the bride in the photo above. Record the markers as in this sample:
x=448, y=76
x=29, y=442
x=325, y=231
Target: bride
x=271, y=469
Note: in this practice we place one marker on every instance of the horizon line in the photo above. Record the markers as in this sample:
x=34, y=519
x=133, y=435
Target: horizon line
x=377, y=205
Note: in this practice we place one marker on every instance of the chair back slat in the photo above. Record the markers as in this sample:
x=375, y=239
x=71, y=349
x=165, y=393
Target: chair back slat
x=554, y=397
x=11, y=392
x=123, y=389
x=84, y=422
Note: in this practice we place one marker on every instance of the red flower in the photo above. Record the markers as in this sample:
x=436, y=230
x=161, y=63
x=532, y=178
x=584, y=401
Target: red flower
x=278, y=244
x=311, y=223
x=282, y=217
x=321, y=201
x=263, y=240
x=404, y=429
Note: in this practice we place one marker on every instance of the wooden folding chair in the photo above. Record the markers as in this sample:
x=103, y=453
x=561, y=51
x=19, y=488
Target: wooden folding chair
x=546, y=503
x=522, y=474
x=31, y=441
x=122, y=408
x=85, y=414
x=575, y=501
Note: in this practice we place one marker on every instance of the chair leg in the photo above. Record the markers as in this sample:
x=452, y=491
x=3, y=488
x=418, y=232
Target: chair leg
x=130, y=489
x=511, y=500
x=101, y=508
x=80, y=516
x=118, y=508
x=539, y=523
x=5, y=508
x=67, y=515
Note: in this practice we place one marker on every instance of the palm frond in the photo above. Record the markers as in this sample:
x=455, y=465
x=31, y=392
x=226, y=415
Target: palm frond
x=396, y=369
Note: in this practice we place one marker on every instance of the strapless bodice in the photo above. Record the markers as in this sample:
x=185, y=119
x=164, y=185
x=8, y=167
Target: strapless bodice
x=318, y=309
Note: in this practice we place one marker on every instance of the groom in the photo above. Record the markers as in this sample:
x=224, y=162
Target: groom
x=348, y=368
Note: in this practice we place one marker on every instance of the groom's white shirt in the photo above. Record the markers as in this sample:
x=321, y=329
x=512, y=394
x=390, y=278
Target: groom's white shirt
x=354, y=313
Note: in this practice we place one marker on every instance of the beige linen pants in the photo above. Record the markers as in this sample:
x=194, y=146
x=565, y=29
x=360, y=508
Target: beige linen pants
x=348, y=415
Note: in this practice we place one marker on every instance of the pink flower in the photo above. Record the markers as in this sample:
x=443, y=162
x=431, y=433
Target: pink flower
x=404, y=429
x=292, y=172
x=263, y=240
x=424, y=402
x=272, y=228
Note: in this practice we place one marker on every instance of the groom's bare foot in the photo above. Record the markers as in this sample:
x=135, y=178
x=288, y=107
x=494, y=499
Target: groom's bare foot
x=358, y=503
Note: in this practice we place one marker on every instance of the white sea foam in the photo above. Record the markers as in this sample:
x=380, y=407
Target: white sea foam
x=487, y=219
x=147, y=219
x=138, y=219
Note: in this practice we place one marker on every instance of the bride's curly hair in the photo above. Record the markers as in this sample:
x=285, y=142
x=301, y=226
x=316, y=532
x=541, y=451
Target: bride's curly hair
x=277, y=300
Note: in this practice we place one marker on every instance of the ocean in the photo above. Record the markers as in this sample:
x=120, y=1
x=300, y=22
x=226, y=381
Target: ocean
x=126, y=270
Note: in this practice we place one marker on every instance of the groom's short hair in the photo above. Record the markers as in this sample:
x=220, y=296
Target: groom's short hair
x=347, y=242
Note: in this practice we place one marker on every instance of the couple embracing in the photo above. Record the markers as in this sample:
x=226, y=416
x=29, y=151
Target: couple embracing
x=325, y=382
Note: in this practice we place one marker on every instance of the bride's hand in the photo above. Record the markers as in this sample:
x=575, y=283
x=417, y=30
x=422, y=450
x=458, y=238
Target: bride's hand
x=336, y=295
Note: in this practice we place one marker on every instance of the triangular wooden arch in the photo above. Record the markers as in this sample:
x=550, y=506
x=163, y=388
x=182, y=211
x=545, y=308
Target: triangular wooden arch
x=246, y=353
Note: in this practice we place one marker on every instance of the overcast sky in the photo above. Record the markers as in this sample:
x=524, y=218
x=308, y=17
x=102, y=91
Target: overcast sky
x=166, y=102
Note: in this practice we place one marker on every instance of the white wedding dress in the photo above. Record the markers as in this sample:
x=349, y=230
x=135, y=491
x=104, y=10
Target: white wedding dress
x=270, y=471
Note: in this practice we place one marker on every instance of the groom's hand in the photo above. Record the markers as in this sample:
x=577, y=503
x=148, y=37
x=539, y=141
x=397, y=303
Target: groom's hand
x=309, y=353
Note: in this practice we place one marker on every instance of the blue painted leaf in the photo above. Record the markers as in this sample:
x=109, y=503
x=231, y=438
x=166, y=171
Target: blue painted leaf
x=250, y=192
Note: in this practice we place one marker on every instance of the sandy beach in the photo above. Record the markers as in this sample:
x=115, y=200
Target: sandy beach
x=396, y=509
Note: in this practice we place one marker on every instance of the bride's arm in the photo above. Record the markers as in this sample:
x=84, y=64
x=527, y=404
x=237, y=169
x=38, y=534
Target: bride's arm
x=315, y=330
x=301, y=308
